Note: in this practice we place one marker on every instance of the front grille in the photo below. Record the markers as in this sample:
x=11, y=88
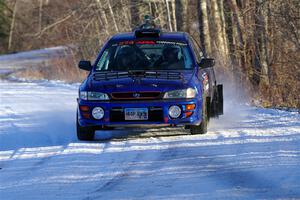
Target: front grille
x=155, y=114
x=135, y=95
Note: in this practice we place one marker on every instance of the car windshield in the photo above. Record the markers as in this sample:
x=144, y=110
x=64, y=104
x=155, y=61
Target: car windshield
x=145, y=55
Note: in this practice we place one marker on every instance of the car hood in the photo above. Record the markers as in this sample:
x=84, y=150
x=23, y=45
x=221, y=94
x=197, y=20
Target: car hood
x=136, y=83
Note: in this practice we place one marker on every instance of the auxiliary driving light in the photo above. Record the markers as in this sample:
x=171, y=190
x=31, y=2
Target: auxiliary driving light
x=98, y=113
x=174, y=111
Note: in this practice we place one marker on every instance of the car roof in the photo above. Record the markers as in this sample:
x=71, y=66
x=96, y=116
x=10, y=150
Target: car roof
x=181, y=36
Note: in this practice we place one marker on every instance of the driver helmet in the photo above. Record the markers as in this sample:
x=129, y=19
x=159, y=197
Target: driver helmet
x=127, y=55
x=171, y=54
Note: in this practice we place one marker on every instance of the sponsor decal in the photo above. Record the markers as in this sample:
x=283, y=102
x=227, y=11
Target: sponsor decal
x=126, y=42
x=170, y=42
x=145, y=42
x=151, y=42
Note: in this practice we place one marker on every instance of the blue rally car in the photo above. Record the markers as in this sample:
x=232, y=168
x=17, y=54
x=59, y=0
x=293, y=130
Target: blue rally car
x=148, y=77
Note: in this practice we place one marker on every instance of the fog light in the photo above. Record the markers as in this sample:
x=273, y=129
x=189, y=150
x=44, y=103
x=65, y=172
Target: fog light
x=174, y=111
x=98, y=113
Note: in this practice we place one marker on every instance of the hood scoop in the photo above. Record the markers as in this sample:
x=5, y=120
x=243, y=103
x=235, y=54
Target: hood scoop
x=166, y=75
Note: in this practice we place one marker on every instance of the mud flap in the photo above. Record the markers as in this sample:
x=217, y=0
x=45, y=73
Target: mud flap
x=220, y=100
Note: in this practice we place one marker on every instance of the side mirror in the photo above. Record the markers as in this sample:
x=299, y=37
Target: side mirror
x=207, y=62
x=85, y=65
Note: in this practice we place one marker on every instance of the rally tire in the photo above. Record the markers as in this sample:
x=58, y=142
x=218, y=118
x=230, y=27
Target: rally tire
x=202, y=128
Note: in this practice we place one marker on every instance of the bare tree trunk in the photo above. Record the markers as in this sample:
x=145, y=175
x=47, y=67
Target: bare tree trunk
x=127, y=20
x=99, y=22
x=97, y=28
x=168, y=15
x=161, y=16
x=238, y=38
x=223, y=23
x=150, y=8
x=40, y=15
x=103, y=16
x=134, y=12
x=206, y=45
x=174, y=15
x=220, y=43
x=155, y=10
x=181, y=14
x=238, y=21
x=12, y=25
x=113, y=16
x=261, y=39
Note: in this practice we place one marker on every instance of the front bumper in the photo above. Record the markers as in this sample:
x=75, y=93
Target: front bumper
x=158, y=112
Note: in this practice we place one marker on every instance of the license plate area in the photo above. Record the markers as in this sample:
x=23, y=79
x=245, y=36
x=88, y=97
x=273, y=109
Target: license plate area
x=136, y=113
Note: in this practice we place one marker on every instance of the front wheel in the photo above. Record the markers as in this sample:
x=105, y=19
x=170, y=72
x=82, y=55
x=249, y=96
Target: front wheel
x=202, y=128
x=84, y=133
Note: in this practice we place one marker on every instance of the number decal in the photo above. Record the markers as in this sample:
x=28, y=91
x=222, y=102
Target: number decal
x=205, y=82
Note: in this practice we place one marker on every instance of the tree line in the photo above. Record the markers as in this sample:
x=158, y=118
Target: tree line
x=256, y=43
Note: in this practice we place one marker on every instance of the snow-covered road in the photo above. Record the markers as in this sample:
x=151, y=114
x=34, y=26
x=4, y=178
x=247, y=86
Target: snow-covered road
x=249, y=153
x=34, y=58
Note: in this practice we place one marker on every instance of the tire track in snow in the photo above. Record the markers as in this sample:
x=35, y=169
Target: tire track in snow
x=129, y=170
x=35, y=165
x=203, y=166
x=122, y=173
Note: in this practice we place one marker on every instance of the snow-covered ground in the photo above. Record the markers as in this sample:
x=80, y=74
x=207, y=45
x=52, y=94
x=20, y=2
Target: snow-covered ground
x=249, y=153
x=19, y=60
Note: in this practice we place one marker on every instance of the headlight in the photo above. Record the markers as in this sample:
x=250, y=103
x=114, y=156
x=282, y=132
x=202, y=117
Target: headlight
x=83, y=95
x=93, y=95
x=97, y=96
x=180, y=94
